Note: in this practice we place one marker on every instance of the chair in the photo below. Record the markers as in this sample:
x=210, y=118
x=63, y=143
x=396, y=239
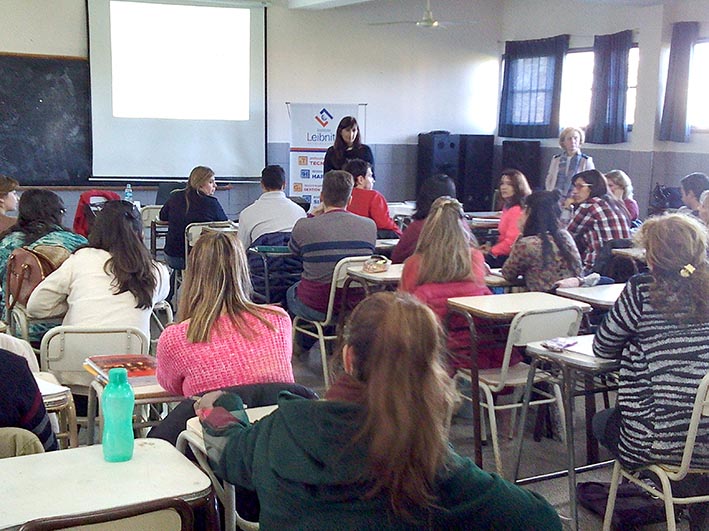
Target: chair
x=162, y=306
x=667, y=472
x=526, y=327
x=64, y=349
x=618, y=268
x=166, y=515
x=90, y=202
x=316, y=329
x=18, y=322
x=194, y=230
x=149, y=213
x=273, y=268
x=62, y=405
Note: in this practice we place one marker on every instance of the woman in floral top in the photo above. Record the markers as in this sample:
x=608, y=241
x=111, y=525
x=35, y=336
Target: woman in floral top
x=544, y=253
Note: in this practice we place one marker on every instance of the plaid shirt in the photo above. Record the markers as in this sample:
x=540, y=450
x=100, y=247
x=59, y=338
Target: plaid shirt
x=594, y=223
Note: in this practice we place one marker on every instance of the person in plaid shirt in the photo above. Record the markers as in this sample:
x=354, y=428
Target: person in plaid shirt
x=598, y=216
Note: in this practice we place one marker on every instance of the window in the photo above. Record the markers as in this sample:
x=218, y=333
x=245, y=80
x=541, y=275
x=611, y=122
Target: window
x=697, y=109
x=576, y=84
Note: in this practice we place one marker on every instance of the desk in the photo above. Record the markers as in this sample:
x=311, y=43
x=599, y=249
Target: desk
x=58, y=399
x=602, y=297
x=78, y=480
x=501, y=308
x=496, y=280
x=632, y=253
x=576, y=358
x=385, y=244
x=158, y=229
x=390, y=277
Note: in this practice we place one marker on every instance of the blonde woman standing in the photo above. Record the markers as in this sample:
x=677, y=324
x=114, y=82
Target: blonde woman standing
x=569, y=162
x=223, y=339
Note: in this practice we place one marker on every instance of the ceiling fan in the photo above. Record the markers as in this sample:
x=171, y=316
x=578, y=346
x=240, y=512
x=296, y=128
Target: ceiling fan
x=426, y=21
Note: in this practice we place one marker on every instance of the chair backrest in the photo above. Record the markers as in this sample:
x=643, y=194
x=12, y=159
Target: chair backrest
x=21, y=348
x=700, y=409
x=148, y=214
x=194, y=230
x=537, y=325
x=64, y=349
x=167, y=514
x=339, y=276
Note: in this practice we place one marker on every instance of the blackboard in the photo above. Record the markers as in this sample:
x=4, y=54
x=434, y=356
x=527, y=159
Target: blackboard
x=45, y=134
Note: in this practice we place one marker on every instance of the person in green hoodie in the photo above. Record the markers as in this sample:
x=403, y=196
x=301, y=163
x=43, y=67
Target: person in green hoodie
x=375, y=453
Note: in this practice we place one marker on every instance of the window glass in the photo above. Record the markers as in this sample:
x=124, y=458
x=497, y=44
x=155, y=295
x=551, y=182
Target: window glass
x=697, y=108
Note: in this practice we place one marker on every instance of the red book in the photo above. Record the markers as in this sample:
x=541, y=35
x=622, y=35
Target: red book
x=141, y=368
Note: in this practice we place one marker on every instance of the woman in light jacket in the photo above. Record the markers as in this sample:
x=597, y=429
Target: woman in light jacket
x=568, y=163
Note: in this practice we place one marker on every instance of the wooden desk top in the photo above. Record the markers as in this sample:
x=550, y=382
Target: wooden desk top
x=507, y=305
x=390, y=276
x=579, y=355
x=636, y=253
x=386, y=243
x=78, y=480
x=602, y=297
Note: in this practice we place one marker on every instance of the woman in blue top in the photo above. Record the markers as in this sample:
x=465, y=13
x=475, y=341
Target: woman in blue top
x=195, y=204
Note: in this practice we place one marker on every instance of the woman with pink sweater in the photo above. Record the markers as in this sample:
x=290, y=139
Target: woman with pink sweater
x=223, y=339
x=513, y=188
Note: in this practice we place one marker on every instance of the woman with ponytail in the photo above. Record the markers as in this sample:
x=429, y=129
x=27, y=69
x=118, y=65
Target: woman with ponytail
x=110, y=282
x=374, y=454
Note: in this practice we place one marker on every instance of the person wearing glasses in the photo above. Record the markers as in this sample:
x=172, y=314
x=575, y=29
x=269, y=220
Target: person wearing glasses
x=8, y=201
x=598, y=217
x=39, y=222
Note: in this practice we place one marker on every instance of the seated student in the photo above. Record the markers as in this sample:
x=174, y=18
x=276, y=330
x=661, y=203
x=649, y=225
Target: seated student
x=621, y=187
x=324, y=240
x=21, y=404
x=545, y=253
x=446, y=264
x=195, y=204
x=8, y=201
x=374, y=454
x=598, y=217
x=692, y=185
x=513, y=190
x=430, y=190
x=658, y=330
x=704, y=207
x=110, y=282
x=367, y=202
x=222, y=339
x=272, y=212
x=39, y=219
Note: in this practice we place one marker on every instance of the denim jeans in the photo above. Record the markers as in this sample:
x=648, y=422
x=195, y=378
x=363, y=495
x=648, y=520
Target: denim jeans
x=299, y=308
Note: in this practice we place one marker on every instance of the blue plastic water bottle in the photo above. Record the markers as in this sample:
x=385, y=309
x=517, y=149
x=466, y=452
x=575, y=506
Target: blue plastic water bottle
x=128, y=193
x=117, y=404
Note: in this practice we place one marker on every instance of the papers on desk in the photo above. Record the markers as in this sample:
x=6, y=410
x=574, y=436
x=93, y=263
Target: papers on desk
x=50, y=390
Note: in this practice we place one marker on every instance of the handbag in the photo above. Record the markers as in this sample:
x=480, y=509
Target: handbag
x=664, y=197
x=26, y=268
x=634, y=507
x=376, y=264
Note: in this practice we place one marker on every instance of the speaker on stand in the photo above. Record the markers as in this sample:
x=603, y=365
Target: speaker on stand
x=525, y=156
x=438, y=152
x=476, y=182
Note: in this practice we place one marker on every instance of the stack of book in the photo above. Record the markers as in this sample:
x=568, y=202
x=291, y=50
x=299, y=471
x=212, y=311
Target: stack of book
x=140, y=367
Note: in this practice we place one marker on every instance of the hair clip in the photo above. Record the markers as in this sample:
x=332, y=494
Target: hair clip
x=687, y=270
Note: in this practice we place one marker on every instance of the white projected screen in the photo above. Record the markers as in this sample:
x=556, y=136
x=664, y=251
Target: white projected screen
x=174, y=86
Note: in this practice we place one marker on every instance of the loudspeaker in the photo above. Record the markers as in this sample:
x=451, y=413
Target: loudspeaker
x=475, y=172
x=438, y=152
x=524, y=155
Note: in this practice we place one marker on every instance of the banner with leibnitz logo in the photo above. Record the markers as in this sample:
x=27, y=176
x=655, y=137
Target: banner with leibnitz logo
x=313, y=130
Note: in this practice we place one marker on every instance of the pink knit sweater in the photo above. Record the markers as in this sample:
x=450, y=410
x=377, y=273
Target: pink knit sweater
x=228, y=358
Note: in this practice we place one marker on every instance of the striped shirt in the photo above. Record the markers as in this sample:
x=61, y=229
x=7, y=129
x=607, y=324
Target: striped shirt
x=662, y=363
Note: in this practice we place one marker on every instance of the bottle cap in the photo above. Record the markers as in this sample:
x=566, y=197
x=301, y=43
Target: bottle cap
x=118, y=375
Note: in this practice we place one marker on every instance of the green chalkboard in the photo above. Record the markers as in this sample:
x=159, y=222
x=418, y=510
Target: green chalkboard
x=45, y=133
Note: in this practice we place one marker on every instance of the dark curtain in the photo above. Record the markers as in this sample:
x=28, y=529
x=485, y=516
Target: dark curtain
x=531, y=88
x=674, y=124
x=610, y=86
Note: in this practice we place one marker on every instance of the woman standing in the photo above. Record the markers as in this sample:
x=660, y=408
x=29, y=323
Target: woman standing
x=513, y=188
x=374, y=454
x=545, y=253
x=658, y=330
x=569, y=162
x=195, y=204
x=222, y=339
x=598, y=218
x=348, y=145
x=8, y=201
x=110, y=282
x=621, y=188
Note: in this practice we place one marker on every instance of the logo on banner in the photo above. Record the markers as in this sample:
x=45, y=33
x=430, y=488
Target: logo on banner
x=323, y=117
x=298, y=187
x=305, y=174
x=302, y=160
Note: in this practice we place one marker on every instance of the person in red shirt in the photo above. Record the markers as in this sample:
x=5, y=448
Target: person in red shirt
x=367, y=202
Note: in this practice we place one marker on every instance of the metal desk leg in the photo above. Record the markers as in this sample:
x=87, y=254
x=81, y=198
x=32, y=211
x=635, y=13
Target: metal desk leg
x=91, y=413
x=590, y=409
x=523, y=416
x=569, y=377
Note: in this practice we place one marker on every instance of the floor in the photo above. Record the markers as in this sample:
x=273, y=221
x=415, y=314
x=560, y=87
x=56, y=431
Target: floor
x=548, y=455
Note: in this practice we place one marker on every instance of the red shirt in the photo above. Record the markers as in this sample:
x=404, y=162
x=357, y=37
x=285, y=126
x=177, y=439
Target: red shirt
x=371, y=204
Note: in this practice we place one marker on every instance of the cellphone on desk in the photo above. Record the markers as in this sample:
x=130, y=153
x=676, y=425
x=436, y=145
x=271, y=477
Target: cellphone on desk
x=558, y=344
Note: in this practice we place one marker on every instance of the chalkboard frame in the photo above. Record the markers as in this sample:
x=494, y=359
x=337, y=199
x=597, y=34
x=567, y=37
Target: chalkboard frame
x=45, y=119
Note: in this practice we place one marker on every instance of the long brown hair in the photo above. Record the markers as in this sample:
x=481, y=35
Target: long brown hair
x=217, y=281
x=339, y=146
x=519, y=185
x=398, y=357
x=198, y=177
x=444, y=244
x=676, y=251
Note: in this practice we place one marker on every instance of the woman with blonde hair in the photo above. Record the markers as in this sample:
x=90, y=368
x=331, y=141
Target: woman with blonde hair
x=621, y=187
x=222, y=339
x=195, y=204
x=8, y=201
x=658, y=330
x=447, y=264
x=374, y=454
x=513, y=189
x=569, y=162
